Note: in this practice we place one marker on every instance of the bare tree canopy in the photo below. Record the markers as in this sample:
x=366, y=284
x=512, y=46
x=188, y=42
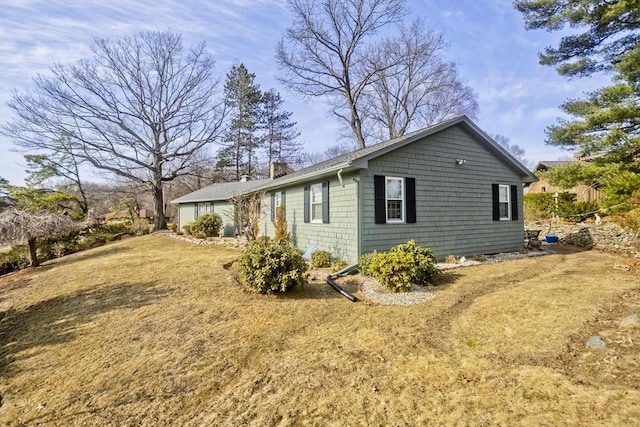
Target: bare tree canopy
x=421, y=89
x=140, y=108
x=381, y=76
x=326, y=51
x=21, y=226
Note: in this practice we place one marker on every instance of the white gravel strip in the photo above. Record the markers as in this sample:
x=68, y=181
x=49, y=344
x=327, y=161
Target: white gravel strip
x=372, y=290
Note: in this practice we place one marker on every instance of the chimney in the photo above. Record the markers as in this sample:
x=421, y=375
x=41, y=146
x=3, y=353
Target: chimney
x=278, y=169
x=245, y=178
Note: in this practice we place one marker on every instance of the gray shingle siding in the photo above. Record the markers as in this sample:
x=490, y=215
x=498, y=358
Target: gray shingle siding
x=339, y=236
x=187, y=211
x=453, y=202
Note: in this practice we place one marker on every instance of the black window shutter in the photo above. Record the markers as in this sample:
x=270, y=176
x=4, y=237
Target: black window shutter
x=273, y=207
x=514, y=202
x=410, y=187
x=495, y=189
x=283, y=200
x=325, y=202
x=379, y=199
x=306, y=204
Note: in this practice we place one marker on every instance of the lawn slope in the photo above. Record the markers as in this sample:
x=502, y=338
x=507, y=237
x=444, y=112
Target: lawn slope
x=152, y=331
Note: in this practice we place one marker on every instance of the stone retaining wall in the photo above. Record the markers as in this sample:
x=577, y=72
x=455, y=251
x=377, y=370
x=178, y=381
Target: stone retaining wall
x=606, y=236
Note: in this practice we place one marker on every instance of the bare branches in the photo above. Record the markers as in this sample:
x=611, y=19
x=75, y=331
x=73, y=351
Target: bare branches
x=141, y=108
x=420, y=89
x=19, y=226
x=247, y=213
x=325, y=51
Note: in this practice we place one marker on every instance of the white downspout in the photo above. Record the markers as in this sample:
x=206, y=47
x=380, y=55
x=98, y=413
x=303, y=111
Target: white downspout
x=340, y=178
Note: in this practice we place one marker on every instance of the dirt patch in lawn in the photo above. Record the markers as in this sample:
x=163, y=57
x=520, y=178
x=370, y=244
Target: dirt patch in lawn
x=152, y=331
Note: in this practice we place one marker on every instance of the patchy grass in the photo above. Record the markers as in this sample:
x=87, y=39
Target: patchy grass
x=152, y=331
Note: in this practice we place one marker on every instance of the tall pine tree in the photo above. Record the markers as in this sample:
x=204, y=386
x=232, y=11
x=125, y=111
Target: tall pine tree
x=604, y=127
x=280, y=131
x=243, y=99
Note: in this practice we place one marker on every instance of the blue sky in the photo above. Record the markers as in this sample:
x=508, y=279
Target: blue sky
x=498, y=58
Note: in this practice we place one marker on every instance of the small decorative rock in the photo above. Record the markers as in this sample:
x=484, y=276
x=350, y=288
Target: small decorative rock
x=631, y=320
x=596, y=342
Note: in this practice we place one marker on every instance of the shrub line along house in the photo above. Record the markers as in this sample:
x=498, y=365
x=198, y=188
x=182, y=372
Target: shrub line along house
x=449, y=186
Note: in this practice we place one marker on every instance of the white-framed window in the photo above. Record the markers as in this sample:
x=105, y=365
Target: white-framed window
x=277, y=200
x=315, y=202
x=394, y=195
x=504, y=202
x=203, y=208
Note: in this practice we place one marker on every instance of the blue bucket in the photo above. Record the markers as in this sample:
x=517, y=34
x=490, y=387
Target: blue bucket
x=551, y=238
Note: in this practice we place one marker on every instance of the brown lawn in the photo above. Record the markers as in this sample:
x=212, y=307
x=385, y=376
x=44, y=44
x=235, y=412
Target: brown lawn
x=152, y=331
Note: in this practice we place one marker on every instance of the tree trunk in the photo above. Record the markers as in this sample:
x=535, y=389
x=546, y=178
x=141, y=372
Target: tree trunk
x=33, y=252
x=159, y=221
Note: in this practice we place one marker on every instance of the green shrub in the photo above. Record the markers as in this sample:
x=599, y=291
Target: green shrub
x=539, y=206
x=172, y=226
x=339, y=265
x=321, y=259
x=364, y=261
x=424, y=268
x=209, y=224
x=187, y=228
x=268, y=266
x=16, y=259
x=392, y=269
x=402, y=266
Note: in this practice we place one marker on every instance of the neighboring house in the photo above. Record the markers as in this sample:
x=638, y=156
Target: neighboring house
x=584, y=193
x=450, y=187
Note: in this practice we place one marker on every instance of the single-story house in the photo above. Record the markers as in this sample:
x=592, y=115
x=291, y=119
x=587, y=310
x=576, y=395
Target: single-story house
x=584, y=193
x=450, y=187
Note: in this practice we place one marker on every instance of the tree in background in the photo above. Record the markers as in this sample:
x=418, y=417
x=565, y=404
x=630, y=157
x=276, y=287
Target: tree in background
x=512, y=148
x=280, y=131
x=372, y=68
x=18, y=226
x=420, y=89
x=243, y=98
x=141, y=108
x=61, y=163
x=604, y=127
x=325, y=52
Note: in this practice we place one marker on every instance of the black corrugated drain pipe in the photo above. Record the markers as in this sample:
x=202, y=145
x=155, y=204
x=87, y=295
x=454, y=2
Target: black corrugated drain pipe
x=338, y=288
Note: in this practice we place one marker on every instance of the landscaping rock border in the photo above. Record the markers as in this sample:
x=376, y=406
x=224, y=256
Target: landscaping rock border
x=606, y=236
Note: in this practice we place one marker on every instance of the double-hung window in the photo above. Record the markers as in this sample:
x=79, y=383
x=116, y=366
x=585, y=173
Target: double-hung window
x=394, y=199
x=504, y=202
x=315, y=201
x=394, y=195
x=278, y=199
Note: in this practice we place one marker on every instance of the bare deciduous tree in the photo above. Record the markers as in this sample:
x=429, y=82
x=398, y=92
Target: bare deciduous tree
x=247, y=213
x=326, y=51
x=20, y=226
x=512, y=148
x=141, y=108
x=421, y=89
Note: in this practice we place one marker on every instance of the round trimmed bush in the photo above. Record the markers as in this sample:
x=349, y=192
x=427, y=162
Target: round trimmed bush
x=402, y=266
x=424, y=268
x=209, y=224
x=268, y=266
